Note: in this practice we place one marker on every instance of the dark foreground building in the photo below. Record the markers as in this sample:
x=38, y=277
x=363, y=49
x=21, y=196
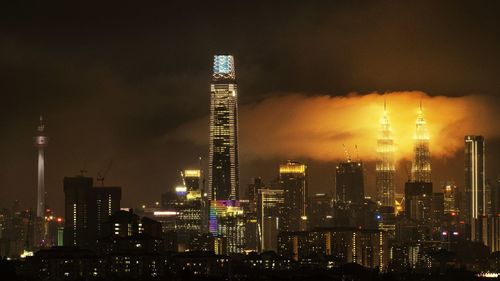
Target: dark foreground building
x=86, y=209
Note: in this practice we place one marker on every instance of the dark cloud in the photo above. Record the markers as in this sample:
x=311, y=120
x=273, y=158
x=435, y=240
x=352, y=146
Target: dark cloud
x=112, y=78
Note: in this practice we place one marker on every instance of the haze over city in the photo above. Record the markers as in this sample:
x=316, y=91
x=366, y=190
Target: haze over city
x=343, y=136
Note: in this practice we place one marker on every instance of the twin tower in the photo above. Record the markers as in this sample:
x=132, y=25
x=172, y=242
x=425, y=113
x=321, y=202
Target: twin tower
x=385, y=166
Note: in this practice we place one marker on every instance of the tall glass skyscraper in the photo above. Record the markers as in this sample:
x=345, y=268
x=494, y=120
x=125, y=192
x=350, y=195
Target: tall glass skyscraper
x=475, y=182
x=385, y=167
x=421, y=168
x=223, y=174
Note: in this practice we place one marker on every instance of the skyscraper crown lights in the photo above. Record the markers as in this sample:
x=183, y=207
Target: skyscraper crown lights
x=224, y=67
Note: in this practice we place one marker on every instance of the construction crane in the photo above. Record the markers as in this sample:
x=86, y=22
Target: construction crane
x=102, y=175
x=357, y=153
x=347, y=155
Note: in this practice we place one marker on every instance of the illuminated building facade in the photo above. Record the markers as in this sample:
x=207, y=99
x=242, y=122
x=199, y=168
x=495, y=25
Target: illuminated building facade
x=450, y=192
x=475, y=181
x=421, y=166
x=368, y=248
x=349, y=182
x=223, y=173
x=226, y=220
x=385, y=167
x=293, y=181
x=191, y=179
x=189, y=209
x=270, y=203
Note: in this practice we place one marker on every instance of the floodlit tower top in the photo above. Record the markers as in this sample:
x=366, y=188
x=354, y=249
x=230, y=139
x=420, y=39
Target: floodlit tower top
x=421, y=125
x=223, y=68
x=41, y=140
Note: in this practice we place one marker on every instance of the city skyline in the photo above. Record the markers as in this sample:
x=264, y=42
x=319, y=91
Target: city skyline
x=132, y=122
x=240, y=141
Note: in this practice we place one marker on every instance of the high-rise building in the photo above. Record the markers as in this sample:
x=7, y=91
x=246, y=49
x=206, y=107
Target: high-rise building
x=495, y=198
x=475, y=181
x=385, y=167
x=223, y=174
x=349, y=182
x=320, y=212
x=270, y=203
x=343, y=244
x=450, y=193
x=293, y=180
x=107, y=201
x=191, y=180
x=253, y=193
x=189, y=209
x=421, y=168
x=86, y=210
x=418, y=201
x=41, y=141
x=226, y=220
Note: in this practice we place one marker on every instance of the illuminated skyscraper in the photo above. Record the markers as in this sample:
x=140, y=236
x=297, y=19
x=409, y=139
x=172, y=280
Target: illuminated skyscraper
x=475, y=182
x=41, y=142
x=227, y=220
x=270, y=202
x=385, y=168
x=293, y=180
x=191, y=180
x=223, y=174
x=421, y=168
x=450, y=191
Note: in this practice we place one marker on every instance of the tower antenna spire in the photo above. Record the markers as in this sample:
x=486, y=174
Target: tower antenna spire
x=41, y=141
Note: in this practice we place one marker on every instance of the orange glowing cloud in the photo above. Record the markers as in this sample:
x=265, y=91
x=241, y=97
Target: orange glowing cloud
x=298, y=126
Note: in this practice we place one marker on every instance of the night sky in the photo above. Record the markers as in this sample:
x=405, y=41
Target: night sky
x=116, y=80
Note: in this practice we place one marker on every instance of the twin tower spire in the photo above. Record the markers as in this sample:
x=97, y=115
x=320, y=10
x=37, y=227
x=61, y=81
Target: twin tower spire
x=385, y=166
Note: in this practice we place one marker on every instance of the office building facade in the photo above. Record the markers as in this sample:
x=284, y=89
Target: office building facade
x=223, y=174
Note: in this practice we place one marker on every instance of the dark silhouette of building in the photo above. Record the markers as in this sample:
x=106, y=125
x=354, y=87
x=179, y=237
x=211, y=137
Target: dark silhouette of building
x=293, y=181
x=253, y=193
x=418, y=200
x=86, y=209
x=320, y=211
x=349, y=183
